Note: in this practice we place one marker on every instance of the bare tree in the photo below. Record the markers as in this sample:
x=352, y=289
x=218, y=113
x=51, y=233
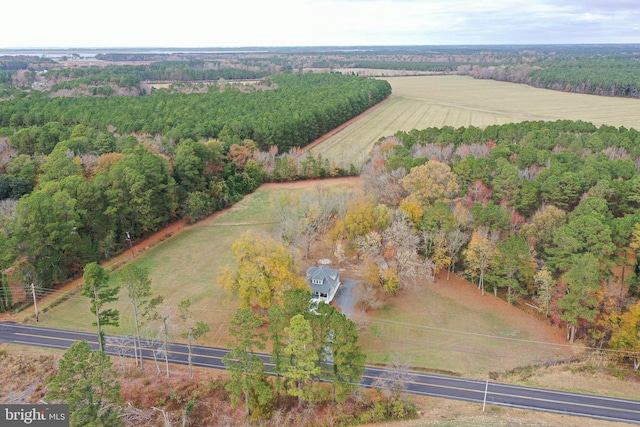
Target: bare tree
x=400, y=234
x=302, y=218
x=368, y=296
x=192, y=330
x=456, y=239
x=384, y=186
x=428, y=151
x=412, y=267
x=122, y=346
x=369, y=246
x=150, y=342
x=8, y=208
x=166, y=329
x=394, y=379
x=137, y=282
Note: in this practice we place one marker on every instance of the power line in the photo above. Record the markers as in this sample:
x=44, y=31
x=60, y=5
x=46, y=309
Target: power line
x=484, y=336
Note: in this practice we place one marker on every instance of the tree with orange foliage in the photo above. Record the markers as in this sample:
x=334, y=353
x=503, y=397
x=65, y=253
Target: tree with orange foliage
x=240, y=154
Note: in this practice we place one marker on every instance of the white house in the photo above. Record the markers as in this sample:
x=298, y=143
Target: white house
x=324, y=282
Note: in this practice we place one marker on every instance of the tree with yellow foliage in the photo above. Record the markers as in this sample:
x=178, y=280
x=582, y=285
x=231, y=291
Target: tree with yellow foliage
x=264, y=270
x=413, y=210
x=359, y=219
x=431, y=182
x=627, y=337
x=479, y=254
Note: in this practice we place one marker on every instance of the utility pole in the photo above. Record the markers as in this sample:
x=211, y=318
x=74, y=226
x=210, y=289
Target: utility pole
x=130, y=242
x=35, y=303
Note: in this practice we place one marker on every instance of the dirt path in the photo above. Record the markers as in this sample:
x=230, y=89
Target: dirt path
x=173, y=230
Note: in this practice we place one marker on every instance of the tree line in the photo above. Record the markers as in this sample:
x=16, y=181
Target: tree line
x=76, y=193
x=297, y=109
x=131, y=76
x=601, y=70
x=543, y=213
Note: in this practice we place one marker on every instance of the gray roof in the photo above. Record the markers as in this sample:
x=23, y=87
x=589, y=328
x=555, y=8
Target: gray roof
x=330, y=278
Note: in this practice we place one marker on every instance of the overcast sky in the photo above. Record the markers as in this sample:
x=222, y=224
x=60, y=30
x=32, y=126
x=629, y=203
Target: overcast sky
x=239, y=23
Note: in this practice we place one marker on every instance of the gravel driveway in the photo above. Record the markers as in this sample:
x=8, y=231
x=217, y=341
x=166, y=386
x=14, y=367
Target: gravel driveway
x=346, y=298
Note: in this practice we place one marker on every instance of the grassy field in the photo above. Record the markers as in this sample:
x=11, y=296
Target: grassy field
x=184, y=267
x=420, y=325
x=435, y=101
x=448, y=325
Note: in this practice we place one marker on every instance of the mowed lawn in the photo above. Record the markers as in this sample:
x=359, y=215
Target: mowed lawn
x=184, y=267
x=419, y=102
x=446, y=325
x=450, y=326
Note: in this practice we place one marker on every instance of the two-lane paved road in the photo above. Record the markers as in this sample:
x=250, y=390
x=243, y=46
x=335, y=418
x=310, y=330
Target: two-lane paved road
x=429, y=385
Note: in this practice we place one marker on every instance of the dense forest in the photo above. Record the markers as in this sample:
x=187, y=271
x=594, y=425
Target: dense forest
x=545, y=213
x=78, y=184
x=285, y=110
x=609, y=70
x=132, y=76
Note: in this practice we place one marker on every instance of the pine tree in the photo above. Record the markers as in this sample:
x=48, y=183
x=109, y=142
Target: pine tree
x=98, y=289
x=302, y=367
x=248, y=377
x=86, y=381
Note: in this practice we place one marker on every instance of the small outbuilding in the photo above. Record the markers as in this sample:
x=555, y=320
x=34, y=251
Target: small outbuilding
x=324, y=282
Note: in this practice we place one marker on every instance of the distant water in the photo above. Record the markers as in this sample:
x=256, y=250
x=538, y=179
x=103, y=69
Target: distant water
x=92, y=52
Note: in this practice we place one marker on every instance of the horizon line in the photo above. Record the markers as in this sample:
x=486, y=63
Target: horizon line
x=166, y=47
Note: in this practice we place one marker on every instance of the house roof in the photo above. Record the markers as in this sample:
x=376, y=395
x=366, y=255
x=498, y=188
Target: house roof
x=329, y=277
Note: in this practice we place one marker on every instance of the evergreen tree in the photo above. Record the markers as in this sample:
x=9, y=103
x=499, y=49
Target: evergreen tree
x=98, y=289
x=248, y=377
x=86, y=381
x=302, y=368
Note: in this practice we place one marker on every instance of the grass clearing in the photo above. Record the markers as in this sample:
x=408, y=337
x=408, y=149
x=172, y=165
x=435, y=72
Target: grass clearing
x=448, y=325
x=184, y=267
x=445, y=326
x=420, y=102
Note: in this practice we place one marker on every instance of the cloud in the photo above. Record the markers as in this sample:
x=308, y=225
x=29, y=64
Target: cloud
x=191, y=23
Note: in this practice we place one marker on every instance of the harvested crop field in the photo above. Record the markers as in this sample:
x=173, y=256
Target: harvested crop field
x=419, y=102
